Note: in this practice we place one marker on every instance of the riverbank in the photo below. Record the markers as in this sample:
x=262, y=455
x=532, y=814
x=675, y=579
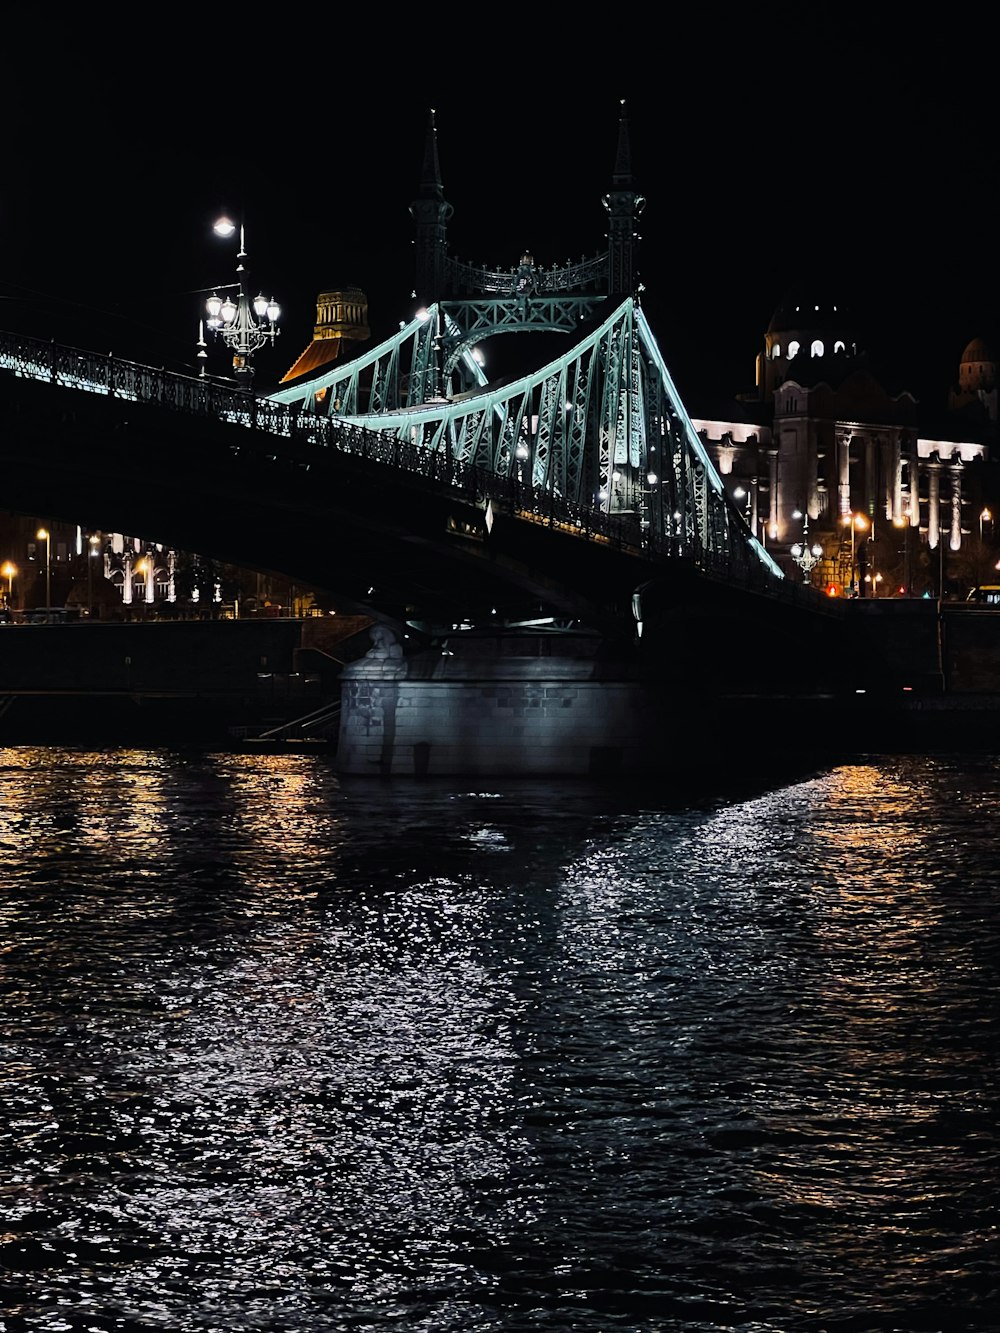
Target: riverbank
x=188, y=682
x=921, y=681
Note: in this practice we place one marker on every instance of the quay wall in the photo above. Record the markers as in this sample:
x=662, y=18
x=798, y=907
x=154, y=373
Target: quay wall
x=107, y=682
x=193, y=656
x=915, y=678
x=911, y=680
x=519, y=708
x=522, y=719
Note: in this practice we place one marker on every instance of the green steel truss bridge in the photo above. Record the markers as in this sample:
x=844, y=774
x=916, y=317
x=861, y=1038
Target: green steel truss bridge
x=580, y=483
x=599, y=434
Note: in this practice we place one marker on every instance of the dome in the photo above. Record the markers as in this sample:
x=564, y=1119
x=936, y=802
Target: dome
x=976, y=351
x=811, y=338
x=805, y=309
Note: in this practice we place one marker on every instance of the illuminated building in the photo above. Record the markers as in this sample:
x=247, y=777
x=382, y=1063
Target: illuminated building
x=822, y=443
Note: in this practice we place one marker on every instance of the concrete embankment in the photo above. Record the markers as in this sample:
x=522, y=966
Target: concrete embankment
x=113, y=683
x=905, y=678
x=914, y=678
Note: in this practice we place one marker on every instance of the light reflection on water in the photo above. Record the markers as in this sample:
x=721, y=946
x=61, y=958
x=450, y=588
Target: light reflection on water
x=282, y=1052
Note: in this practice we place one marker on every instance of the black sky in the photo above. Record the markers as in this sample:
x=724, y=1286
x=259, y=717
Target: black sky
x=856, y=156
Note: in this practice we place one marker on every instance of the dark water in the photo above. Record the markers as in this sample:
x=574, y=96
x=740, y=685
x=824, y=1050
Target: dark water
x=284, y=1052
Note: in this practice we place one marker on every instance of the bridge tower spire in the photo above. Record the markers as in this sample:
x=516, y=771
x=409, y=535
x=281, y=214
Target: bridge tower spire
x=430, y=211
x=624, y=205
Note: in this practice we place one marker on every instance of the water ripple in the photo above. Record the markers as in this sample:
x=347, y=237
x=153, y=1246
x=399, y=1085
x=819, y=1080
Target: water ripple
x=281, y=1054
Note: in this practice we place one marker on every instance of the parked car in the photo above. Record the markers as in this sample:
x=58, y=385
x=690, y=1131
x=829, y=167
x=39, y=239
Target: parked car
x=987, y=594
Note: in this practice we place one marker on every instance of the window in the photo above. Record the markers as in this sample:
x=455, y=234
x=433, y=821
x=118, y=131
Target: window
x=793, y=350
x=817, y=348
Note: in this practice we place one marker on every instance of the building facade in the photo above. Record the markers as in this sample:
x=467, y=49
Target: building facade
x=849, y=484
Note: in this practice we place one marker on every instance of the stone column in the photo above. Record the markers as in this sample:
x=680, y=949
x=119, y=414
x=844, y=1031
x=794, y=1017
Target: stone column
x=896, y=474
x=772, y=466
x=955, y=541
x=933, y=469
x=843, y=473
x=871, y=474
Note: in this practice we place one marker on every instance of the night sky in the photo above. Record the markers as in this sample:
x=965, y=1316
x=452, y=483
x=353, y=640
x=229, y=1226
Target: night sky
x=834, y=151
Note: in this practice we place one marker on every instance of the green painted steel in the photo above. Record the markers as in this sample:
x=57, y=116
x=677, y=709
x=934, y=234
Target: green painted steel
x=601, y=427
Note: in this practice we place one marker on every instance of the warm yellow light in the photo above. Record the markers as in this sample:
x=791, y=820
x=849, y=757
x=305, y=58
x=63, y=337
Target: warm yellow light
x=8, y=569
x=986, y=515
x=42, y=534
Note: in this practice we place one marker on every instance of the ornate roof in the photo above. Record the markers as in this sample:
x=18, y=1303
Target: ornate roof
x=808, y=311
x=977, y=350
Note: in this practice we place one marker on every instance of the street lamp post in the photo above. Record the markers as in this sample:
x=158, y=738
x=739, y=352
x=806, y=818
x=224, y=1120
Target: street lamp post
x=94, y=542
x=804, y=555
x=874, y=580
x=904, y=526
x=46, y=536
x=984, y=517
x=745, y=496
x=940, y=565
x=857, y=523
x=243, y=323
x=8, y=569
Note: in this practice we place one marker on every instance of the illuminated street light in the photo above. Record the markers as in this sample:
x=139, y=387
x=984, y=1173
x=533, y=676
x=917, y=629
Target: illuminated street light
x=145, y=566
x=904, y=526
x=8, y=569
x=984, y=517
x=746, y=499
x=857, y=523
x=45, y=536
x=243, y=323
x=874, y=583
x=95, y=542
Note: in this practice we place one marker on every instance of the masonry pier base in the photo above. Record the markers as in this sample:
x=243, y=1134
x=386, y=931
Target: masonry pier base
x=545, y=705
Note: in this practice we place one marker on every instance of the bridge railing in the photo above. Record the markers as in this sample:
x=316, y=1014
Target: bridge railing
x=129, y=381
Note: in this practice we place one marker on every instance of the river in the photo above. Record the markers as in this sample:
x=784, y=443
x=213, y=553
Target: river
x=284, y=1052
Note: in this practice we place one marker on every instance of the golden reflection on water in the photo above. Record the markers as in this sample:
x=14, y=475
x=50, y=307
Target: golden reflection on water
x=125, y=797
x=864, y=871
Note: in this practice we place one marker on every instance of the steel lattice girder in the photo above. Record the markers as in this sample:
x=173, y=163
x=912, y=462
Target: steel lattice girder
x=601, y=427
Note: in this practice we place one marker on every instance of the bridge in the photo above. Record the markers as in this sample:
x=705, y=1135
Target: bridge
x=470, y=510
x=574, y=497
x=453, y=474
